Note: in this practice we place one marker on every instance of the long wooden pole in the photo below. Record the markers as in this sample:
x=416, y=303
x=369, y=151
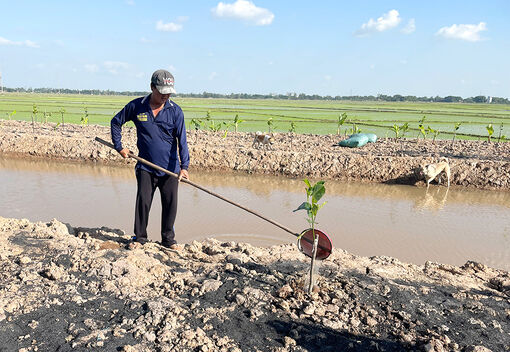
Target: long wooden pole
x=148, y=163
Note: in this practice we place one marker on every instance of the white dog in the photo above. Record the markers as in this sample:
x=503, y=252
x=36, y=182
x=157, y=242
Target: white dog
x=262, y=140
x=431, y=171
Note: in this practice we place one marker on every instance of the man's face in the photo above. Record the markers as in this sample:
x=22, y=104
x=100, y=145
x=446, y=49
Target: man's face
x=157, y=97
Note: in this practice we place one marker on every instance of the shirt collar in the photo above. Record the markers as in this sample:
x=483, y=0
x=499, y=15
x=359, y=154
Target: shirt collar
x=168, y=103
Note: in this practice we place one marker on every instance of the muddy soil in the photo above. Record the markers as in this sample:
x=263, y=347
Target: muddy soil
x=83, y=289
x=477, y=164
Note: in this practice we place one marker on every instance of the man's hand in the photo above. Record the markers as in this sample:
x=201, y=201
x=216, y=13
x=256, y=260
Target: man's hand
x=183, y=174
x=124, y=152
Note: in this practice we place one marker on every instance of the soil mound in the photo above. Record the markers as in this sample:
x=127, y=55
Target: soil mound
x=478, y=164
x=65, y=288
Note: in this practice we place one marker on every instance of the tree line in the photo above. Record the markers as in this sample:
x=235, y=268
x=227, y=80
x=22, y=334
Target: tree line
x=480, y=99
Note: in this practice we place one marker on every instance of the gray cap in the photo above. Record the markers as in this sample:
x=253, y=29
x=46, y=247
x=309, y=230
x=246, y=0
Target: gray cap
x=164, y=82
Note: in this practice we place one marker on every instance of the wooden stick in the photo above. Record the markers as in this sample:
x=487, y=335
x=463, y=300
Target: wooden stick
x=154, y=166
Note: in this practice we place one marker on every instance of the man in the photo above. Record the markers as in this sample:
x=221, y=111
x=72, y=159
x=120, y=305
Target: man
x=161, y=139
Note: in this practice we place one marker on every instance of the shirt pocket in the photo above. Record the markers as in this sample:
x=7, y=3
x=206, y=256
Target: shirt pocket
x=167, y=130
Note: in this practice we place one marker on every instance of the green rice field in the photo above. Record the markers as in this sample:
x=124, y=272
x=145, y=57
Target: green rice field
x=308, y=116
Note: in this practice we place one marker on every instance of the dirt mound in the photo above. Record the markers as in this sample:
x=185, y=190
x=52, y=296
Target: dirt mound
x=65, y=288
x=474, y=163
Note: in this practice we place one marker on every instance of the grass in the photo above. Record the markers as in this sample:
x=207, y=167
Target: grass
x=308, y=116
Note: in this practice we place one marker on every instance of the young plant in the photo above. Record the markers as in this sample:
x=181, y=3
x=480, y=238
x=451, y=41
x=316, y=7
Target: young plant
x=196, y=123
x=404, y=128
x=340, y=122
x=490, y=130
x=500, y=131
x=237, y=121
x=292, y=128
x=313, y=195
x=10, y=114
x=434, y=132
x=355, y=129
x=421, y=128
x=455, y=128
x=270, y=124
x=62, y=111
x=395, y=129
x=34, y=116
x=84, y=120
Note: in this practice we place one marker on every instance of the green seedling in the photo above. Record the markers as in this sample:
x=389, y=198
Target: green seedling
x=10, y=114
x=84, y=120
x=237, y=121
x=34, y=116
x=340, y=122
x=62, y=111
x=313, y=195
x=434, y=132
x=292, y=128
x=396, y=129
x=455, y=129
x=270, y=124
x=404, y=128
x=196, y=123
x=500, y=131
x=490, y=131
x=421, y=128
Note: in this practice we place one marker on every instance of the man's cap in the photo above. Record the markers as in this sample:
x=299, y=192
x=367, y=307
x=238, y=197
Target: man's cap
x=164, y=82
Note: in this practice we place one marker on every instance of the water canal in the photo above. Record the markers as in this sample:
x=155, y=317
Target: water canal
x=406, y=222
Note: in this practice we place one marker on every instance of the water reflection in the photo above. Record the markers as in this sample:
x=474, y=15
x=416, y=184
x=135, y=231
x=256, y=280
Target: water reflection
x=432, y=199
x=366, y=219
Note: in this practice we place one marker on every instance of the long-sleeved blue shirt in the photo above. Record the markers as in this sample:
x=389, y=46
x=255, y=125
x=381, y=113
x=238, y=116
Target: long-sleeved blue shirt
x=159, y=139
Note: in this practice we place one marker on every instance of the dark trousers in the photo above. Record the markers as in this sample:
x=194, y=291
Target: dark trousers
x=147, y=184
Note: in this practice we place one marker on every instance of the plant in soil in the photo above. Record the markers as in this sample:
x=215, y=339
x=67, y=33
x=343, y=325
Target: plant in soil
x=10, y=114
x=500, y=131
x=490, y=131
x=270, y=124
x=455, y=128
x=404, y=128
x=434, y=132
x=237, y=121
x=421, y=128
x=34, y=116
x=292, y=128
x=62, y=111
x=396, y=129
x=340, y=122
x=313, y=195
x=84, y=120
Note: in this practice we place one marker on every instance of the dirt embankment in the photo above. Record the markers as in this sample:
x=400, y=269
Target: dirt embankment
x=476, y=164
x=65, y=288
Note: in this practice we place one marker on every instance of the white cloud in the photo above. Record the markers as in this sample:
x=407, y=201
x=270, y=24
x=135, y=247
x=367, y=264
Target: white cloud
x=28, y=43
x=114, y=66
x=469, y=32
x=91, y=68
x=168, y=27
x=213, y=75
x=383, y=23
x=410, y=27
x=145, y=40
x=244, y=10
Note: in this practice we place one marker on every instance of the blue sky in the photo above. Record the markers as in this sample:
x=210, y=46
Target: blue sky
x=327, y=47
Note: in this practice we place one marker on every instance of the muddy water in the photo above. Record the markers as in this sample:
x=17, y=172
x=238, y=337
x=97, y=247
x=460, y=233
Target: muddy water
x=406, y=222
